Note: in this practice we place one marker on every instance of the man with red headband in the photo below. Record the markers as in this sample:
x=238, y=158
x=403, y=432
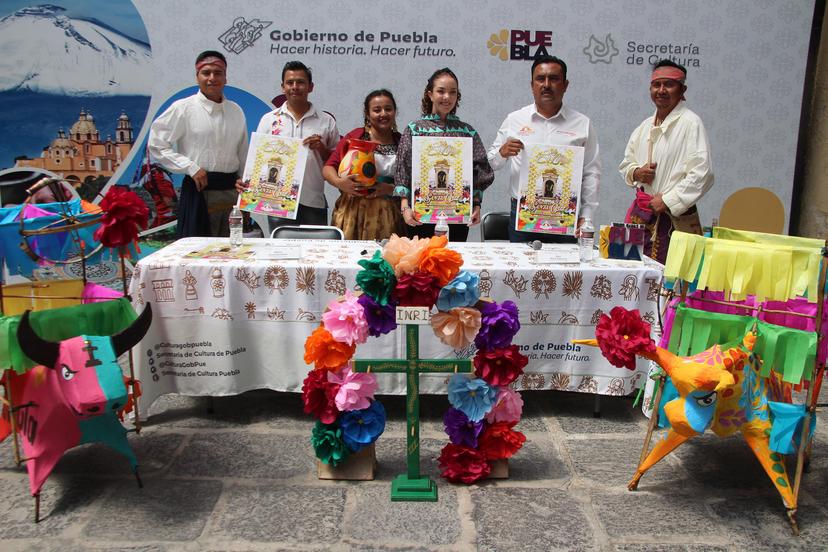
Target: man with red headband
x=667, y=162
x=205, y=137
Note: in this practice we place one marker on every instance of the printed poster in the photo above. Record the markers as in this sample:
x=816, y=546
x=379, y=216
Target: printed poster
x=550, y=189
x=441, y=178
x=222, y=251
x=275, y=167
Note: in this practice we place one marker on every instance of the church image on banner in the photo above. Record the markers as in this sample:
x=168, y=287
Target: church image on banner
x=82, y=153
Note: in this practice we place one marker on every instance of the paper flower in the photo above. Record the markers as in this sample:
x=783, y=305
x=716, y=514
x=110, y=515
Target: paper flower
x=499, y=366
x=318, y=396
x=376, y=278
x=354, y=389
x=381, y=318
x=416, y=290
x=621, y=335
x=362, y=427
x=404, y=254
x=324, y=352
x=346, y=321
x=463, y=464
x=124, y=214
x=499, y=325
x=499, y=440
x=442, y=263
x=457, y=327
x=463, y=291
x=508, y=407
x=328, y=444
x=460, y=429
x=474, y=397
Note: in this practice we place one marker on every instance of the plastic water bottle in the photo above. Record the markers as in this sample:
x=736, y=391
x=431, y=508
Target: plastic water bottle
x=442, y=227
x=236, y=227
x=586, y=241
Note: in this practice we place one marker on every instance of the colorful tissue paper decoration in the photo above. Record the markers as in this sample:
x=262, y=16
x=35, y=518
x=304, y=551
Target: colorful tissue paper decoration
x=622, y=241
x=484, y=407
x=124, y=214
x=718, y=389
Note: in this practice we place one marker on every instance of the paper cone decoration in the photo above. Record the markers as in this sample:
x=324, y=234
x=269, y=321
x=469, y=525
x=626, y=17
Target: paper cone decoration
x=718, y=389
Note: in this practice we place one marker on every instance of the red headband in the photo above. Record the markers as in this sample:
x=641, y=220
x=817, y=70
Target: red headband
x=213, y=60
x=666, y=72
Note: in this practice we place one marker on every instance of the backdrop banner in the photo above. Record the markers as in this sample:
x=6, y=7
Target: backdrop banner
x=70, y=69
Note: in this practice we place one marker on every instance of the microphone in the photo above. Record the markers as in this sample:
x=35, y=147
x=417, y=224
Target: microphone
x=537, y=245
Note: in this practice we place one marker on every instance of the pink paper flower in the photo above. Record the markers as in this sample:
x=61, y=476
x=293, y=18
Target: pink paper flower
x=457, y=327
x=508, y=407
x=345, y=320
x=356, y=389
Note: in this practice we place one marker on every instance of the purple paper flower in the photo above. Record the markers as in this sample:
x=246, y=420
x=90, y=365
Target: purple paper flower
x=460, y=429
x=499, y=325
x=381, y=318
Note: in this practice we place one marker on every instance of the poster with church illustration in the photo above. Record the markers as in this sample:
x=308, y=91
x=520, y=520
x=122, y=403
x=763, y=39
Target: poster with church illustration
x=274, y=169
x=550, y=189
x=441, y=178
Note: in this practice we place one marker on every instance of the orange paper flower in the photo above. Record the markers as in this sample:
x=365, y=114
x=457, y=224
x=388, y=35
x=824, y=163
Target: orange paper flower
x=442, y=263
x=324, y=352
x=457, y=327
x=404, y=254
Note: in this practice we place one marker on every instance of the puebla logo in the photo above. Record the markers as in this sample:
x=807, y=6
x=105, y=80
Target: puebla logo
x=517, y=44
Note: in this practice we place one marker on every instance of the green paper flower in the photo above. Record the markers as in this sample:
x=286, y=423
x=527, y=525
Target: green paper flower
x=377, y=278
x=328, y=444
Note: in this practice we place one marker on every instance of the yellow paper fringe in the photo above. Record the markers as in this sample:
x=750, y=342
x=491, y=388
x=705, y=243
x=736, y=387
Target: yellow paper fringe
x=770, y=269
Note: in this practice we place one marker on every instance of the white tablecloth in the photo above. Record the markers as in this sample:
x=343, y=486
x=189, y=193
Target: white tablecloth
x=223, y=327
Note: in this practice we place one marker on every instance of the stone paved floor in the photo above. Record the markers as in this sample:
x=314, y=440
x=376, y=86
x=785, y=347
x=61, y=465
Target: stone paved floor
x=242, y=479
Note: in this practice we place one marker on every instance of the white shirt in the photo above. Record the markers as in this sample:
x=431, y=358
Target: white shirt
x=280, y=122
x=196, y=133
x=681, y=153
x=566, y=128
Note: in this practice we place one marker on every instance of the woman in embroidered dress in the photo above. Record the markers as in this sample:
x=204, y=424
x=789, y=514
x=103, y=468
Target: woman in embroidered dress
x=369, y=213
x=441, y=99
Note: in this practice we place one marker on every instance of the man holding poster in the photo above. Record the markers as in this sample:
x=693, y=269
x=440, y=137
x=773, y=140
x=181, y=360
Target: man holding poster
x=547, y=121
x=299, y=118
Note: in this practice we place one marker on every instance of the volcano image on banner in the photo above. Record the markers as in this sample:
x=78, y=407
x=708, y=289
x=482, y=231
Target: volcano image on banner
x=75, y=84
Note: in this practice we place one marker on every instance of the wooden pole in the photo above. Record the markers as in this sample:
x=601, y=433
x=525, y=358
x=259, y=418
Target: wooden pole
x=660, y=382
x=810, y=406
x=137, y=418
x=12, y=418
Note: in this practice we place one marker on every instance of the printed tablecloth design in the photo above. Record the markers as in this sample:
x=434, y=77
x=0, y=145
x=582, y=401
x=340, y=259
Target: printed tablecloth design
x=225, y=326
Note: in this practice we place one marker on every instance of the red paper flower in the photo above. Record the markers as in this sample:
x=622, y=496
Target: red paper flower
x=416, y=290
x=500, y=441
x=463, y=464
x=499, y=366
x=621, y=335
x=318, y=394
x=124, y=214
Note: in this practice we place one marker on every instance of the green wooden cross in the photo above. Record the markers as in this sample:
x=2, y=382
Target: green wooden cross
x=413, y=486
